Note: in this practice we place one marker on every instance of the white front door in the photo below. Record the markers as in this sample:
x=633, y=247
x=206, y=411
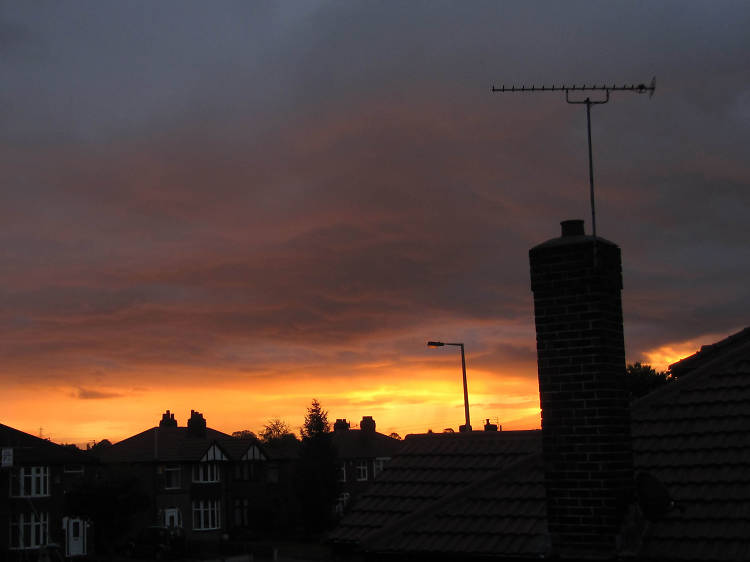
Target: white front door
x=172, y=518
x=75, y=536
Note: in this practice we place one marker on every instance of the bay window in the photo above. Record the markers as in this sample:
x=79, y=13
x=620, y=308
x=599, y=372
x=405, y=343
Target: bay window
x=28, y=530
x=206, y=515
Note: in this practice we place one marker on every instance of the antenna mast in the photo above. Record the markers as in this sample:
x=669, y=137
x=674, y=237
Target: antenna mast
x=639, y=89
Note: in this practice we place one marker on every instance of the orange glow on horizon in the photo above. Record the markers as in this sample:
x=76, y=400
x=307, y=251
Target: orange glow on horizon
x=662, y=357
x=398, y=401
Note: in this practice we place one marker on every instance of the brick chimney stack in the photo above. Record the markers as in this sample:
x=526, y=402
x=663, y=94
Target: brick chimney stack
x=167, y=420
x=367, y=425
x=341, y=425
x=196, y=424
x=577, y=280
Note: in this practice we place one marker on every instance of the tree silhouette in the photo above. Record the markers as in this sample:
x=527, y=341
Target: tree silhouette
x=641, y=379
x=244, y=434
x=317, y=470
x=275, y=429
x=316, y=421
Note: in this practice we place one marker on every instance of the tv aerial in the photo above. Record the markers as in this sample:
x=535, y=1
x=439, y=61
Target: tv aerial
x=588, y=102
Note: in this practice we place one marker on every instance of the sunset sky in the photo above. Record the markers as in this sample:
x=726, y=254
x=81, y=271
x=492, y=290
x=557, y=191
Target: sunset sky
x=236, y=207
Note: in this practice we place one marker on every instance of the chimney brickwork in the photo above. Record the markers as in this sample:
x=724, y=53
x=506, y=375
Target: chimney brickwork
x=577, y=281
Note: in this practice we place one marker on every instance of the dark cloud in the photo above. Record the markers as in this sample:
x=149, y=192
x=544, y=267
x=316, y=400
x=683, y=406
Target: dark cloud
x=91, y=394
x=259, y=187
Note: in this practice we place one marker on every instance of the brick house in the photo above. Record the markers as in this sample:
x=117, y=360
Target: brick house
x=35, y=477
x=665, y=478
x=201, y=483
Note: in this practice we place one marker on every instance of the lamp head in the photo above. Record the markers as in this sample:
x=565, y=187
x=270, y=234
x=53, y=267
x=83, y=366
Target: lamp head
x=435, y=344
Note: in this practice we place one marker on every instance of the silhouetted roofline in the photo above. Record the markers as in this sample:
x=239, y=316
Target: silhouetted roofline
x=708, y=352
x=53, y=452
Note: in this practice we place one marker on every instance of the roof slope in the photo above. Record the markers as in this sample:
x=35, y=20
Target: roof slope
x=443, y=497
x=29, y=449
x=503, y=513
x=429, y=468
x=169, y=444
x=356, y=443
x=694, y=436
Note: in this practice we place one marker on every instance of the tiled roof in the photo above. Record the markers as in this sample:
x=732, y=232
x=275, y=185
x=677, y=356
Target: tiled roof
x=236, y=448
x=168, y=444
x=694, y=436
x=431, y=467
x=356, y=443
x=443, y=496
x=709, y=352
x=28, y=449
x=503, y=513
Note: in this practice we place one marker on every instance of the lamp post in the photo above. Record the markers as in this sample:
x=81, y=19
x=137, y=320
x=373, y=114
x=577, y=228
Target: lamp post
x=466, y=427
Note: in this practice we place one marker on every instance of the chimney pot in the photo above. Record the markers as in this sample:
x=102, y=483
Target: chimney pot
x=491, y=426
x=573, y=227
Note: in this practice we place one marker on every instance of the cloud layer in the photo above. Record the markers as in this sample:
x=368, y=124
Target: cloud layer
x=237, y=196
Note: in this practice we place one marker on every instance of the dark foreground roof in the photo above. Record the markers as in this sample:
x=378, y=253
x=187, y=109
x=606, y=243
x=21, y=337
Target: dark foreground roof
x=444, y=496
x=504, y=512
x=431, y=468
x=28, y=449
x=694, y=436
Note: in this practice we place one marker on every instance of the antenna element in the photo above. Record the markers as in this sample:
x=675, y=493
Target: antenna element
x=638, y=89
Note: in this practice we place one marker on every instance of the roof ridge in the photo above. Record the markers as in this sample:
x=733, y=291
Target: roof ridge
x=708, y=350
x=692, y=377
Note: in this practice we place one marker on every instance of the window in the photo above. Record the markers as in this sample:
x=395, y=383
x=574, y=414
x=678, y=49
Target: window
x=73, y=469
x=241, y=512
x=28, y=530
x=361, y=471
x=247, y=470
x=272, y=474
x=379, y=465
x=342, y=471
x=206, y=472
x=30, y=481
x=206, y=515
x=172, y=474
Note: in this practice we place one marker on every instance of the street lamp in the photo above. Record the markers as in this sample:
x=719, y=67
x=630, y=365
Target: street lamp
x=466, y=427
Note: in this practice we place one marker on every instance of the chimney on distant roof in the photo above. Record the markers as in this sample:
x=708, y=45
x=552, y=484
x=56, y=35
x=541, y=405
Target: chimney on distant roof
x=341, y=425
x=167, y=420
x=588, y=461
x=492, y=426
x=196, y=424
x=367, y=425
